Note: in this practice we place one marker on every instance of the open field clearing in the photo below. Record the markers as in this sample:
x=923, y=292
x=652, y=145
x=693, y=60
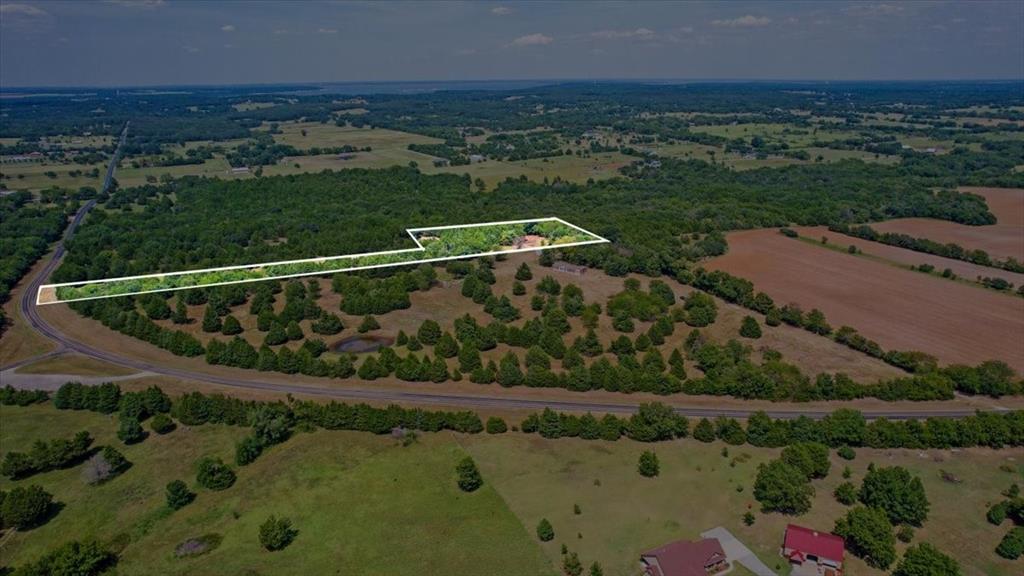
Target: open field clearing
x=323, y=135
x=903, y=256
x=1003, y=239
x=32, y=175
x=899, y=309
x=623, y=513
x=218, y=167
x=366, y=505
x=570, y=168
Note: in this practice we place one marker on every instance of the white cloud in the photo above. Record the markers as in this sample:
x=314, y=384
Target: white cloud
x=643, y=33
x=190, y=49
x=281, y=32
x=228, y=28
x=22, y=10
x=537, y=39
x=326, y=31
x=501, y=10
x=748, y=21
x=873, y=9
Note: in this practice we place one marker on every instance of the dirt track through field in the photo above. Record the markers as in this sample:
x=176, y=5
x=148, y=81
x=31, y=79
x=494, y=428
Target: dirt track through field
x=1003, y=239
x=898, y=308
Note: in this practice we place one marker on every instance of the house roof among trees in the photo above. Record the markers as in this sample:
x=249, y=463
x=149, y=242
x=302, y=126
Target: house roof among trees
x=684, y=558
x=820, y=544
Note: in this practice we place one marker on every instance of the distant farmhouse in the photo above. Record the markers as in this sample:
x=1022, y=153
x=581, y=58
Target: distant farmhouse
x=813, y=553
x=685, y=558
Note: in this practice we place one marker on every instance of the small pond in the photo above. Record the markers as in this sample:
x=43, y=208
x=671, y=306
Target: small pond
x=361, y=343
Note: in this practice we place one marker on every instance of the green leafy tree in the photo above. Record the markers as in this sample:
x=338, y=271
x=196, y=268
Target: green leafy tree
x=523, y=273
x=648, y=465
x=846, y=494
x=70, y=559
x=368, y=324
x=214, y=474
x=750, y=328
x=247, y=450
x=26, y=507
x=161, y=424
x=868, y=535
x=810, y=457
x=231, y=326
x=571, y=565
x=469, y=478
x=293, y=331
x=130, y=431
x=925, y=560
x=545, y=532
x=1011, y=546
x=446, y=346
x=704, y=431
x=429, y=332
x=596, y=570
x=277, y=533
x=496, y=425
x=781, y=487
x=178, y=495
x=211, y=322
x=276, y=335
x=895, y=492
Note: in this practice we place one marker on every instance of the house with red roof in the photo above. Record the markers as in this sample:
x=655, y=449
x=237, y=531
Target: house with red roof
x=812, y=552
x=685, y=558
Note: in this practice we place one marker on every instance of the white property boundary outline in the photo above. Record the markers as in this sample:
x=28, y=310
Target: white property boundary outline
x=411, y=231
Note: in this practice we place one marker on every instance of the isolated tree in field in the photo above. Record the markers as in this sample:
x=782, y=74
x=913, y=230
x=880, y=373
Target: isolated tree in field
x=277, y=533
x=130, y=431
x=469, y=477
x=868, y=535
x=781, y=487
x=214, y=474
x=895, y=492
x=429, y=332
x=523, y=273
x=518, y=288
x=178, y=495
x=648, y=466
x=25, y=507
x=211, y=322
x=750, y=328
x=925, y=560
x=704, y=431
x=571, y=564
x=545, y=532
x=1012, y=545
x=596, y=570
x=368, y=324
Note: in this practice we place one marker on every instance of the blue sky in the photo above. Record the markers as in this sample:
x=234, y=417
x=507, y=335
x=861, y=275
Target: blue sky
x=154, y=42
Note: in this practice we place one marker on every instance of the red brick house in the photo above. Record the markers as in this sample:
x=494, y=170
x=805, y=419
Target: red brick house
x=685, y=558
x=813, y=552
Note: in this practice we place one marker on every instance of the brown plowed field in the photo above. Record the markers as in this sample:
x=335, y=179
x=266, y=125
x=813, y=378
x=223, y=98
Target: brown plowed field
x=1001, y=240
x=909, y=257
x=898, y=308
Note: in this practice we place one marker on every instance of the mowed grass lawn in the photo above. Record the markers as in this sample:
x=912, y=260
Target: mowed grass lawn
x=623, y=513
x=363, y=504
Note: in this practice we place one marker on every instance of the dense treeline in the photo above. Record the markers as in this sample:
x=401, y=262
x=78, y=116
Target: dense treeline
x=949, y=250
x=199, y=223
x=26, y=230
x=844, y=427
